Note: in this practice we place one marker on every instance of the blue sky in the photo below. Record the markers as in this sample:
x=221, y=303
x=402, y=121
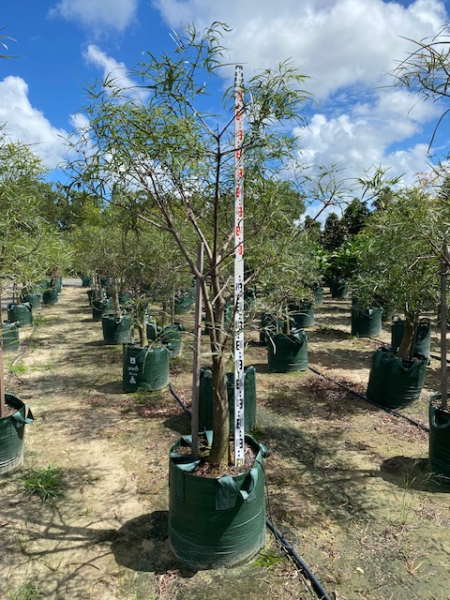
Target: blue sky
x=346, y=47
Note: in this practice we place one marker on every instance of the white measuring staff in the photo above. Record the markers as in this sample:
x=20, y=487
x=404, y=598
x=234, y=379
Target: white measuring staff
x=239, y=441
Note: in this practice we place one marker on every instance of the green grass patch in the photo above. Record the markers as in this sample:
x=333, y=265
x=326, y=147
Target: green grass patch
x=45, y=483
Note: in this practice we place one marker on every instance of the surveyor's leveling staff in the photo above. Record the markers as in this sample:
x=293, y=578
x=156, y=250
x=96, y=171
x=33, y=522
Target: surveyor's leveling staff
x=239, y=269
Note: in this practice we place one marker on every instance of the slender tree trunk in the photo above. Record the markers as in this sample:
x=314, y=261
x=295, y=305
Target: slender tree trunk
x=141, y=306
x=406, y=348
x=115, y=299
x=220, y=450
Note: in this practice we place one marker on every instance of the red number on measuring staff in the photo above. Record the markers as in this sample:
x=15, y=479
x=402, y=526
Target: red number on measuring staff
x=240, y=250
x=240, y=211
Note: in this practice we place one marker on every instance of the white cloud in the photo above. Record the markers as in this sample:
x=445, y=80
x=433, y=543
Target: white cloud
x=97, y=15
x=347, y=48
x=335, y=42
x=28, y=125
x=114, y=71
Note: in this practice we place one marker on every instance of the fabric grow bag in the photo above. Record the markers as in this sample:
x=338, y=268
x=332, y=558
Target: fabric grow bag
x=318, y=295
x=206, y=396
x=439, y=438
x=154, y=331
x=338, y=288
x=366, y=322
x=33, y=298
x=117, y=330
x=10, y=337
x=303, y=314
x=215, y=522
x=183, y=303
x=145, y=368
x=288, y=352
x=51, y=296
x=393, y=381
x=12, y=434
x=171, y=336
x=423, y=336
x=21, y=314
x=269, y=327
x=98, y=308
x=86, y=280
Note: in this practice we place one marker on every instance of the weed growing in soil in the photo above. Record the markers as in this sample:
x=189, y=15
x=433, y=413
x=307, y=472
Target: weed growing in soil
x=46, y=483
x=27, y=591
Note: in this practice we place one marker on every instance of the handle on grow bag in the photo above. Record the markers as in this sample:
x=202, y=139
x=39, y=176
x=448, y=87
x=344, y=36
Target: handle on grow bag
x=227, y=488
x=17, y=416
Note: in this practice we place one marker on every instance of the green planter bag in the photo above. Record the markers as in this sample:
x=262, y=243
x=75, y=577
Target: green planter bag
x=98, y=308
x=366, y=323
x=10, y=333
x=22, y=314
x=393, y=381
x=154, y=331
x=33, y=298
x=183, y=303
x=268, y=327
x=302, y=314
x=318, y=295
x=439, y=439
x=423, y=335
x=206, y=398
x=288, y=352
x=51, y=296
x=145, y=368
x=12, y=434
x=86, y=280
x=338, y=288
x=171, y=336
x=215, y=522
x=117, y=330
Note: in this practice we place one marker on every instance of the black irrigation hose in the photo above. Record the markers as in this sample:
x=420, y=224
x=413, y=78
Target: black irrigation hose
x=385, y=408
x=321, y=593
x=180, y=401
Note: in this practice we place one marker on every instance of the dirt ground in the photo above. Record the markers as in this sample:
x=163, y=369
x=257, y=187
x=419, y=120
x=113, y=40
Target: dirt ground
x=349, y=485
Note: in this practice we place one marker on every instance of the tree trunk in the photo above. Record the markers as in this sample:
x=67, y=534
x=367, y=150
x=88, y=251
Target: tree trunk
x=140, y=312
x=406, y=348
x=115, y=299
x=220, y=447
x=220, y=450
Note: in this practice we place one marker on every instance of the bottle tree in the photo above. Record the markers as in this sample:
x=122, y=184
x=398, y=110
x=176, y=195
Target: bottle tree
x=168, y=146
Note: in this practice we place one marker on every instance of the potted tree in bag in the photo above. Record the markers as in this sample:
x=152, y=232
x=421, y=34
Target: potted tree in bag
x=179, y=162
x=404, y=274
x=29, y=245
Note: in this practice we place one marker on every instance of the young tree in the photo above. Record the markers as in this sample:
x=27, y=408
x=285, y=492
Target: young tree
x=426, y=72
x=29, y=245
x=178, y=158
x=399, y=263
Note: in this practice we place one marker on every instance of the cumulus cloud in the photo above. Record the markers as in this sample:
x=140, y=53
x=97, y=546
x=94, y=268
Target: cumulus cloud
x=114, y=71
x=347, y=48
x=335, y=42
x=97, y=15
x=28, y=125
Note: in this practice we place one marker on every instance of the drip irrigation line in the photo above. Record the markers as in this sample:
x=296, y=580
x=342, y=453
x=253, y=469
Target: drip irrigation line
x=180, y=401
x=320, y=591
x=303, y=567
x=363, y=397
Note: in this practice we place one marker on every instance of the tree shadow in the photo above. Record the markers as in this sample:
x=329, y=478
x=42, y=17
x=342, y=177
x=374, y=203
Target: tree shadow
x=413, y=473
x=142, y=544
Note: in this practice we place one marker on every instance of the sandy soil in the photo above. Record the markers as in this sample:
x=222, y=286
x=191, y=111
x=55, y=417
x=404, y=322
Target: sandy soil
x=349, y=484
